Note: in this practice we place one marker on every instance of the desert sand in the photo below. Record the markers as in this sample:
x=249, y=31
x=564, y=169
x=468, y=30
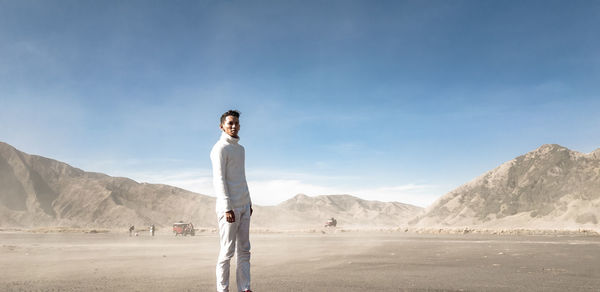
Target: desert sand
x=293, y=261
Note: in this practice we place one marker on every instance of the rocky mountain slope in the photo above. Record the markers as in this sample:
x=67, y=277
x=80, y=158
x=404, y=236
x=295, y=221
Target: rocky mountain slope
x=37, y=191
x=551, y=187
x=349, y=211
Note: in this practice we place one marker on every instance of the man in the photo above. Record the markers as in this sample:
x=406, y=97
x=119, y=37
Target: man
x=234, y=206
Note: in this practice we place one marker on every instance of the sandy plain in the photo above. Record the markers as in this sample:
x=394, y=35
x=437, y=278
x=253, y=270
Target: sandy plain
x=331, y=261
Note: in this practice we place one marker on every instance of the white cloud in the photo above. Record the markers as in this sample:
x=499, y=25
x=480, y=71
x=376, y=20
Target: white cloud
x=271, y=192
x=275, y=191
x=267, y=191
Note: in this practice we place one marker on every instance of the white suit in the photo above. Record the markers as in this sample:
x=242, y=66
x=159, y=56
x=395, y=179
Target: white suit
x=229, y=180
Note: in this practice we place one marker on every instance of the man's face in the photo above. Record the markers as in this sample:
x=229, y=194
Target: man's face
x=231, y=126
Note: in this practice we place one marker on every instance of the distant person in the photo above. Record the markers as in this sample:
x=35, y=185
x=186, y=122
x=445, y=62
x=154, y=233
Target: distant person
x=234, y=206
x=152, y=228
x=131, y=229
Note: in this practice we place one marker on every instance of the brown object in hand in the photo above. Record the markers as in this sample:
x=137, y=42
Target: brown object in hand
x=230, y=216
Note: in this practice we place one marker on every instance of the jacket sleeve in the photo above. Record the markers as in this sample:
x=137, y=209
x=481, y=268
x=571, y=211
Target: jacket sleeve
x=218, y=156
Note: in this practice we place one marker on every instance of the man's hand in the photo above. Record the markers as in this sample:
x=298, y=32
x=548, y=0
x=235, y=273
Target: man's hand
x=230, y=216
x=251, y=211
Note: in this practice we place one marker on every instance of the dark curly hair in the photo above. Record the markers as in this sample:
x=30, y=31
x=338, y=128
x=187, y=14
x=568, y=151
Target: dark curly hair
x=234, y=113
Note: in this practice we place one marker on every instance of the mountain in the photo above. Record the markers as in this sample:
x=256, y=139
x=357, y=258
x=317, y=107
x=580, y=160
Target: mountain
x=36, y=191
x=349, y=211
x=551, y=187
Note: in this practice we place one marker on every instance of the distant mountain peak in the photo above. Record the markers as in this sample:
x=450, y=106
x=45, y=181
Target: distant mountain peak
x=5, y=146
x=550, y=186
x=551, y=146
x=546, y=148
x=300, y=197
x=347, y=209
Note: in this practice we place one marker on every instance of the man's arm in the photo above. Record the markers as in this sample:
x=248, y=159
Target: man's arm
x=219, y=164
x=251, y=210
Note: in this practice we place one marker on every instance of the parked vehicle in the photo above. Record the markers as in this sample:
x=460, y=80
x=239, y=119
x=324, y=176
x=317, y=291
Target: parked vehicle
x=184, y=229
x=331, y=222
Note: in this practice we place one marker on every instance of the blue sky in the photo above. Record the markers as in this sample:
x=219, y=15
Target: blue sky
x=386, y=100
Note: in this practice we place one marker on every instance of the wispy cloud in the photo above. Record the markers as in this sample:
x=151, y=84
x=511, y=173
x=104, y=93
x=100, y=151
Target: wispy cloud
x=271, y=192
x=282, y=186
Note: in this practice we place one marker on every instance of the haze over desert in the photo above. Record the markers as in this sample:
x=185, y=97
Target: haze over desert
x=315, y=145
x=377, y=246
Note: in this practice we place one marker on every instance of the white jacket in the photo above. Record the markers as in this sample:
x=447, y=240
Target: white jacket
x=229, y=175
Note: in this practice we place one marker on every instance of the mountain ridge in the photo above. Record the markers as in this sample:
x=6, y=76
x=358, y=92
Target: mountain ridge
x=39, y=191
x=549, y=187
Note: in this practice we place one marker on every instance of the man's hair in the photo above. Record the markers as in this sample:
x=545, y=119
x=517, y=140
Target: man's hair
x=234, y=113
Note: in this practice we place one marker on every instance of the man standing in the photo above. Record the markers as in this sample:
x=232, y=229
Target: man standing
x=234, y=206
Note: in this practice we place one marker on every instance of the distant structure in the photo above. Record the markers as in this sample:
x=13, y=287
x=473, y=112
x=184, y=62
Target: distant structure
x=331, y=222
x=180, y=228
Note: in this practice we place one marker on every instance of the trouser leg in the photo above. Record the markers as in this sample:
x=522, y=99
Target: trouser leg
x=227, y=233
x=243, y=251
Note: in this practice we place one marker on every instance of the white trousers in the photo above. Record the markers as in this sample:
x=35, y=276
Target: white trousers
x=235, y=237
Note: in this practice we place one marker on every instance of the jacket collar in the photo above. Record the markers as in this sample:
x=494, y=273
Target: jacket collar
x=225, y=137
